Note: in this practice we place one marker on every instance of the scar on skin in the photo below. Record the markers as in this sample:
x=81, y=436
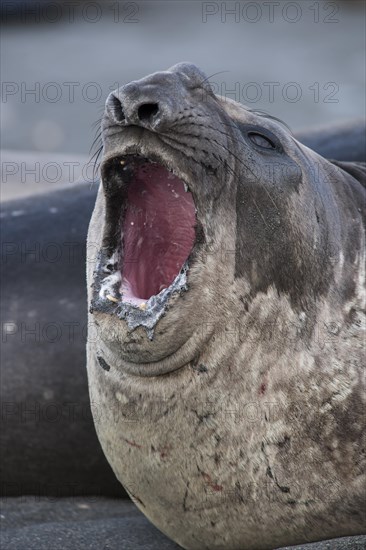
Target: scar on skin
x=133, y=443
x=103, y=363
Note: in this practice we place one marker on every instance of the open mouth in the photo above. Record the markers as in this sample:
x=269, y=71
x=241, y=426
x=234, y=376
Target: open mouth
x=157, y=232
x=151, y=230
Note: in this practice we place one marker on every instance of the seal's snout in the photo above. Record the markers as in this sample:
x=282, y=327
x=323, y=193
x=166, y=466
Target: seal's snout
x=149, y=105
x=123, y=109
x=154, y=101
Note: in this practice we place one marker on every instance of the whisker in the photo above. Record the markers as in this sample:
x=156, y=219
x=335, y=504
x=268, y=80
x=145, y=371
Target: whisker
x=214, y=74
x=264, y=114
x=260, y=213
x=96, y=140
x=96, y=165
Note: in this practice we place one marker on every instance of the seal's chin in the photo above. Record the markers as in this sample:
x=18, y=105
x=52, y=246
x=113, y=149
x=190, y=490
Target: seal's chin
x=150, y=235
x=157, y=232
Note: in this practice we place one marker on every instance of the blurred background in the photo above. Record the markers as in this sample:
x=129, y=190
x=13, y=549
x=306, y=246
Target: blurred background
x=301, y=61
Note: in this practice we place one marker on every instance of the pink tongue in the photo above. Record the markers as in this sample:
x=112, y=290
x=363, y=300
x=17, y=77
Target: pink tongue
x=158, y=232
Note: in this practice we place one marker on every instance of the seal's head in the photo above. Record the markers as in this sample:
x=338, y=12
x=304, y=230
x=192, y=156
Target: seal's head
x=198, y=193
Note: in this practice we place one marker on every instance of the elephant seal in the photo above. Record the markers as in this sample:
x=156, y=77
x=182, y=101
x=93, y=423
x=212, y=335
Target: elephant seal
x=226, y=320
x=44, y=392
x=48, y=444
x=343, y=141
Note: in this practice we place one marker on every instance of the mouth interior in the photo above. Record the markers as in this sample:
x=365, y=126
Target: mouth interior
x=158, y=232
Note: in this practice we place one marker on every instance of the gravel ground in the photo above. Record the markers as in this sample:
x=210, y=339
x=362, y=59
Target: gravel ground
x=31, y=523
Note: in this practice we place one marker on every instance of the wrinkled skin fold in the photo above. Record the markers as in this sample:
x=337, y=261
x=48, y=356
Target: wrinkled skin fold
x=230, y=403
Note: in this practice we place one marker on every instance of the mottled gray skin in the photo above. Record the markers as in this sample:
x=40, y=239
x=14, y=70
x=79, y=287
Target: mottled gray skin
x=240, y=424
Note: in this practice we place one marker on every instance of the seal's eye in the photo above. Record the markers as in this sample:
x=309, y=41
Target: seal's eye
x=261, y=140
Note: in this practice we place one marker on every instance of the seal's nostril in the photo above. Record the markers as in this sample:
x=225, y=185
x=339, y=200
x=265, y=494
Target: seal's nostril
x=116, y=108
x=147, y=111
